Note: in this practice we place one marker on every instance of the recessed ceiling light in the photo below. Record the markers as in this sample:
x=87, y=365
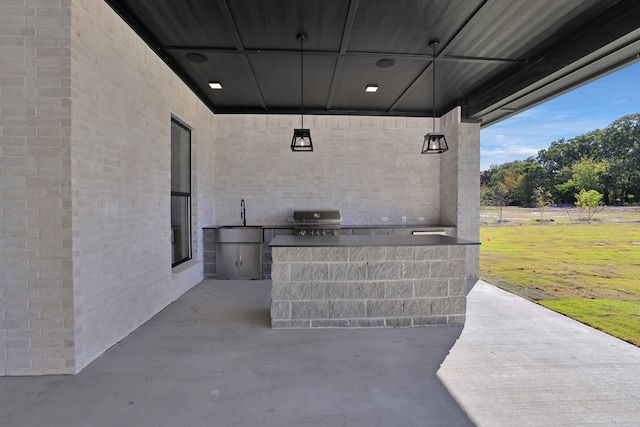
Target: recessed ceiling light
x=215, y=85
x=371, y=88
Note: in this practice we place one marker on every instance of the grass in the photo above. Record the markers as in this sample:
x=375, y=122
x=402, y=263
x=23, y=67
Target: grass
x=587, y=271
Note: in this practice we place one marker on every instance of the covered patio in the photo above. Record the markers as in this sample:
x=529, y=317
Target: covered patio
x=94, y=90
x=211, y=359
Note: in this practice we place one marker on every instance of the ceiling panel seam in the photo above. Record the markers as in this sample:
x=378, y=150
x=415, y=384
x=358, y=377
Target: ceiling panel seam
x=233, y=29
x=346, y=35
x=438, y=55
x=462, y=30
x=352, y=54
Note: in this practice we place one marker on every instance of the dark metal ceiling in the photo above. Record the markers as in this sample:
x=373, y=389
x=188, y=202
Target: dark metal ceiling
x=495, y=57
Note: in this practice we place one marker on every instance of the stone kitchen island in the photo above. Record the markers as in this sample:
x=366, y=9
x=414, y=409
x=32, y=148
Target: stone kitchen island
x=368, y=281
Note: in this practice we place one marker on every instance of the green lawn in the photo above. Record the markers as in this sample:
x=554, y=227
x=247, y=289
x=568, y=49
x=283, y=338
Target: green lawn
x=587, y=271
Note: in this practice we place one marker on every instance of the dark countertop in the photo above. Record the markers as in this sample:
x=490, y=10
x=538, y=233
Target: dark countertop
x=421, y=226
x=240, y=225
x=290, y=226
x=346, y=241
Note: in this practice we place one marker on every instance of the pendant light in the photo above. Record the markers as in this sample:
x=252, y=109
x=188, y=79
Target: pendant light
x=434, y=142
x=301, y=140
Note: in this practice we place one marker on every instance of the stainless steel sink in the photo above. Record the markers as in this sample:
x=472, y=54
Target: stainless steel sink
x=238, y=234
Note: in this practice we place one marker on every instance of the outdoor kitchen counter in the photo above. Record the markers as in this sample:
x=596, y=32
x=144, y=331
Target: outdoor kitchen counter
x=376, y=240
x=368, y=281
x=272, y=230
x=343, y=226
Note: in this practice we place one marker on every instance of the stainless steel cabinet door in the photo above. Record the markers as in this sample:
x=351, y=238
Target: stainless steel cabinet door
x=227, y=261
x=249, y=261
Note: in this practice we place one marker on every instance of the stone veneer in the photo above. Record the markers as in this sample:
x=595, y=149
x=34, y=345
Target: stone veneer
x=368, y=286
x=209, y=242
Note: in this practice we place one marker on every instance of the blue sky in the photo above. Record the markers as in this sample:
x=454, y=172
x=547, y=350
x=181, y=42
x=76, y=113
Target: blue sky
x=592, y=106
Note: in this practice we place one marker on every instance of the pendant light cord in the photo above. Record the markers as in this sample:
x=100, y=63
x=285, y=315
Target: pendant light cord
x=434, y=43
x=302, y=37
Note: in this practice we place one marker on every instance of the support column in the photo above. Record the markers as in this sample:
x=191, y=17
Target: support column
x=460, y=184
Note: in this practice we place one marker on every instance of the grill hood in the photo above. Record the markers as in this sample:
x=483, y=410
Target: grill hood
x=316, y=219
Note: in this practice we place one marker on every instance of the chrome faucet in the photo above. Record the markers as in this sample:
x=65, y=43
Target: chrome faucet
x=243, y=213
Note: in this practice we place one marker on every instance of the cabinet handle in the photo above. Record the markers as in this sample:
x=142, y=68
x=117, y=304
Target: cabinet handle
x=240, y=260
x=236, y=261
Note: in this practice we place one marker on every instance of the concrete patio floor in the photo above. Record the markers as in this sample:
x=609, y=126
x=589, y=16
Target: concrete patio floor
x=518, y=364
x=210, y=359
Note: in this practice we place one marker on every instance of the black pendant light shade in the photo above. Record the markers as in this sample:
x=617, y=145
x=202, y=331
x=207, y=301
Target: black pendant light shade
x=301, y=140
x=434, y=142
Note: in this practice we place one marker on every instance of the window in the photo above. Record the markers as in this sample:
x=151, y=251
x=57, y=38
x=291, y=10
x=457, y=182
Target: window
x=180, y=193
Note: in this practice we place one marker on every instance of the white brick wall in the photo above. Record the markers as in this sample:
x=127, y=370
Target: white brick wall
x=85, y=112
x=36, y=305
x=123, y=97
x=367, y=167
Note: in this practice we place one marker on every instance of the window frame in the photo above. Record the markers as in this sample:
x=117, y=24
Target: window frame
x=181, y=194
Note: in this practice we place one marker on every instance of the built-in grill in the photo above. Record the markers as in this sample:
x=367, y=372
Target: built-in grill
x=317, y=223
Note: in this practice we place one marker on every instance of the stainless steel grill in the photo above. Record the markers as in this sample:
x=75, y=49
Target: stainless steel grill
x=317, y=223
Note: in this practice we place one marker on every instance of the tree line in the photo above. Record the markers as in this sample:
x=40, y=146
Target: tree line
x=606, y=162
